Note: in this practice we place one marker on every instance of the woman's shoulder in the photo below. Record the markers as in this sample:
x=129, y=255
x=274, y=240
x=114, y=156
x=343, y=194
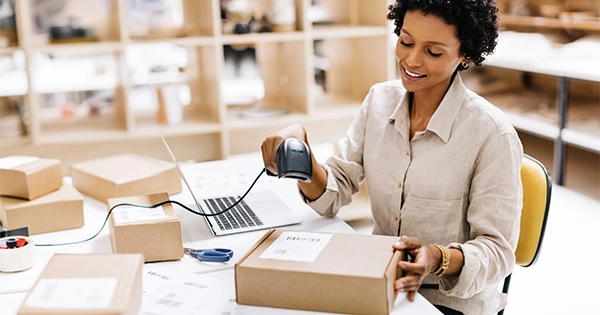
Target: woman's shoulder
x=481, y=108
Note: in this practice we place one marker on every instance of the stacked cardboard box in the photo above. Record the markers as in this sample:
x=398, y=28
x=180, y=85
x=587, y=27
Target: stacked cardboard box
x=32, y=195
x=125, y=175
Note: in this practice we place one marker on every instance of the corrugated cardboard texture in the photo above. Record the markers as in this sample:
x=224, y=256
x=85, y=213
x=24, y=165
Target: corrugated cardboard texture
x=127, y=268
x=157, y=240
x=125, y=175
x=55, y=211
x=354, y=274
x=31, y=180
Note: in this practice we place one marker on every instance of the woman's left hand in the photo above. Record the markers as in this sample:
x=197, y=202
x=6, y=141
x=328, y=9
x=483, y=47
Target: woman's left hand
x=425, y=259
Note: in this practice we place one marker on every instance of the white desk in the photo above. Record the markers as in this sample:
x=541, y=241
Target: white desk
x=236, y=174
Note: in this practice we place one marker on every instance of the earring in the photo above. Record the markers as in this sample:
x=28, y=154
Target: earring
x=465, y=64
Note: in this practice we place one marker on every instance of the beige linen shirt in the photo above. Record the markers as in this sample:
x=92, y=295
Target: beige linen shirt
x=456, y=184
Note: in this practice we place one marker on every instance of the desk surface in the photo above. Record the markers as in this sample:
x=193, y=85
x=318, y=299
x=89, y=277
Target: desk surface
x=234, y=174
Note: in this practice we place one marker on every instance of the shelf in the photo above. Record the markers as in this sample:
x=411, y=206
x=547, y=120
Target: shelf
x=8, y=50
x=160, y=79
x=581, y=140
x=550, y=23
x=342, y=31
x=90, y=48
x=100, y=128
x=145, y=128
x=181, y=41
x=255, y=38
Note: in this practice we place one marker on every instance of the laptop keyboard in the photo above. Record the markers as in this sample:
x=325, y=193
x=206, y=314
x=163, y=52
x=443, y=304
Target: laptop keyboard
x=240, y=216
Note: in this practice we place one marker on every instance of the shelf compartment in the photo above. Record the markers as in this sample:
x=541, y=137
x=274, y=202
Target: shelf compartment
x=182, y=93
x=51, y=74
x=356, y=12
x=79, y=116
x=169, y=19
x=101, y=17
x=354, y=65
x=284, y=71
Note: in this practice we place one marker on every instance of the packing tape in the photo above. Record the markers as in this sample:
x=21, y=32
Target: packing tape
x=16, y=253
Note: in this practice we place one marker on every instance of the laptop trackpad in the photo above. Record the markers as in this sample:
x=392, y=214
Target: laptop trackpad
x=265, y=202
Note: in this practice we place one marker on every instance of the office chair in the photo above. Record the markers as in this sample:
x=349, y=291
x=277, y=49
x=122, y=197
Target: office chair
x=537, y=189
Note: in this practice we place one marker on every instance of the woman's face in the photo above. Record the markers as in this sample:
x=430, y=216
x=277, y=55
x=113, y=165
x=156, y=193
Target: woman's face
x=428, y=53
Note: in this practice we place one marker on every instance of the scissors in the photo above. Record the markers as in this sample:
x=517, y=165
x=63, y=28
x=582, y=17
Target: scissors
x=210, y=255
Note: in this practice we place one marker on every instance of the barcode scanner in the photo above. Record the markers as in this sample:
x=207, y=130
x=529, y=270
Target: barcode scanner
x=293, y=161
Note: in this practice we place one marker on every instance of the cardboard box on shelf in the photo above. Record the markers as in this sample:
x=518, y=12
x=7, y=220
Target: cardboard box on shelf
x=125, y=175
x=316, y=271
x=55, y=211
x=155, y=233
x=99, y=284
x=29, y=177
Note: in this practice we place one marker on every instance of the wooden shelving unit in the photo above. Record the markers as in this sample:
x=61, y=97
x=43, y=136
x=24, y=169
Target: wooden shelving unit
x=208, y=128
x=549, y=95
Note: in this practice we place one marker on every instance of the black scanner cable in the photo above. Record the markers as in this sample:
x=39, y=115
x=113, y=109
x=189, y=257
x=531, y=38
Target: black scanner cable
x=158, y=205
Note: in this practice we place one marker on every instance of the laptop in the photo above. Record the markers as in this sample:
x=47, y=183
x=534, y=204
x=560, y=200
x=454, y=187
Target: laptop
x=259, y=210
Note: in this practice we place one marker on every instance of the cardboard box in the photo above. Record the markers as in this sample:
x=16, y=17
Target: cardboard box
x=155, y=233
x=347, y=273
x=125, y=175
x=99, y=284
x=55, y=211
x=29, y=177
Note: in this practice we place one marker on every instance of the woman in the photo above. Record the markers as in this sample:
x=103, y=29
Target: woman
x=441, y=163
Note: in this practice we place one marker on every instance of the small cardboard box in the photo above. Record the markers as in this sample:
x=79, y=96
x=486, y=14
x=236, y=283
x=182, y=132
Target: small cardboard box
x=55, y=211
x=155, y=233
x=315, y=271
x=125, y=175
x=98, y=284
x=29, y=177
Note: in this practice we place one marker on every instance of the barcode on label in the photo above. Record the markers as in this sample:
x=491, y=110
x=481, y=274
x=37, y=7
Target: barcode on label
x=170, y=303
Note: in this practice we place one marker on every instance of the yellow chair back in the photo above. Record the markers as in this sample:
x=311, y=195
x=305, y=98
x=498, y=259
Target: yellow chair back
x=537, y=189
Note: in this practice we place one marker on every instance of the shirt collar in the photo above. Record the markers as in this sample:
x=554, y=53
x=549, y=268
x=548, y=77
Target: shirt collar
x=443, y=118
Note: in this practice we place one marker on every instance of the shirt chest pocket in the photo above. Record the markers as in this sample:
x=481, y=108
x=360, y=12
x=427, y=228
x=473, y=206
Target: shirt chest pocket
x=433, y=220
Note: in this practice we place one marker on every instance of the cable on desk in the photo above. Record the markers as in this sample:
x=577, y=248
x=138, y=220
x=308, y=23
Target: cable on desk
x=158, y=205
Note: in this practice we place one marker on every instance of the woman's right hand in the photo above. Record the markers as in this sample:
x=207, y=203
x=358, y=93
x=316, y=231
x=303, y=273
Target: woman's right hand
x=271, y=144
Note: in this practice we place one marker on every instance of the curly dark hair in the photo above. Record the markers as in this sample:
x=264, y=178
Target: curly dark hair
x=476, y=22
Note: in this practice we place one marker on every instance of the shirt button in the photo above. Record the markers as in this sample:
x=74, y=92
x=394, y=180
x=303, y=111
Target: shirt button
x=396, y=217
x=399, y=184
x=407, y=153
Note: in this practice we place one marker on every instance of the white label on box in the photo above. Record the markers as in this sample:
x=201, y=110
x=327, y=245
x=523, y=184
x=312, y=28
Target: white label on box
x=127, y=214
x=73, y=293
x=15, y=160
x=297, y=246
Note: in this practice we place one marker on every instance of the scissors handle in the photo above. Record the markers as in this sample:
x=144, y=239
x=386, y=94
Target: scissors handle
x=210, y=255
